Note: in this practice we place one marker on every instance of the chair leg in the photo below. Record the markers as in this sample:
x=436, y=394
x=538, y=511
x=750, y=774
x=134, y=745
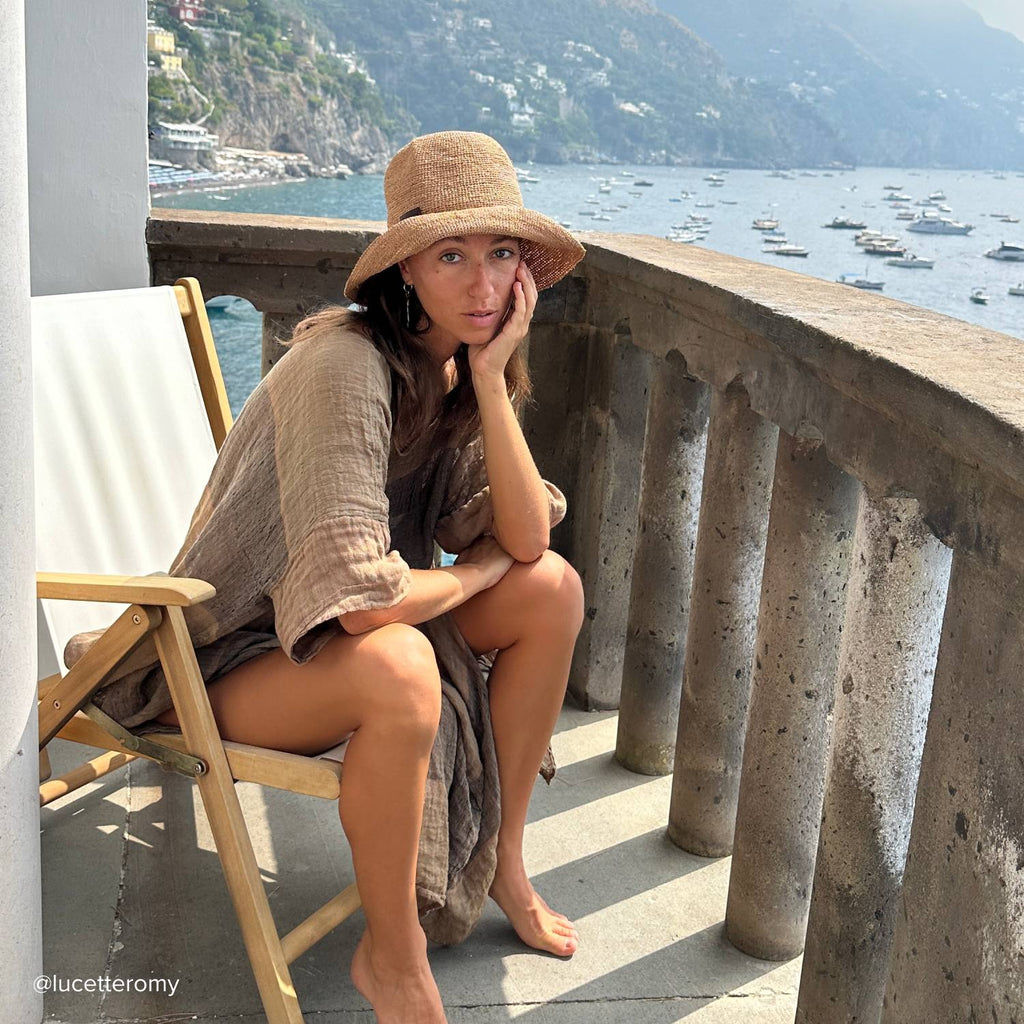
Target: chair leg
x=92, y=770
x=230, y=833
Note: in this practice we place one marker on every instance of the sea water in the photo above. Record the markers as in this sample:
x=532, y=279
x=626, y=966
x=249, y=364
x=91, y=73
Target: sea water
x=802, y=202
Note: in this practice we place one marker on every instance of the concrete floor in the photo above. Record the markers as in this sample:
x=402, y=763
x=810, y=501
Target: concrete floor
x=126, y=896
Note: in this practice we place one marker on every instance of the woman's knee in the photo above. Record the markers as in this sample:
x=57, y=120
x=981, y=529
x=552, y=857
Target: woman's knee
x=550, y=589
x=401, y=675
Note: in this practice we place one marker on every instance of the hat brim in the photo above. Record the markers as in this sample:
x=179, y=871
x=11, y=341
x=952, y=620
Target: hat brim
x=548, y=249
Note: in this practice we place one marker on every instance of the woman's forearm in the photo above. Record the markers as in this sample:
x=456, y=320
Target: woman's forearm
x=522, y=521
x=433, y=592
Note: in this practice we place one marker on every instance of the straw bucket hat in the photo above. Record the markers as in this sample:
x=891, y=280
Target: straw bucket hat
x=461, y=183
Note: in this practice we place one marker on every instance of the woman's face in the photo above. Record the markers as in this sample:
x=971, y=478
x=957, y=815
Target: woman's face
x=464, y=285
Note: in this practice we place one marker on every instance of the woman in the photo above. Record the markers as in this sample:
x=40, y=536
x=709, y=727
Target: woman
x=378, y=433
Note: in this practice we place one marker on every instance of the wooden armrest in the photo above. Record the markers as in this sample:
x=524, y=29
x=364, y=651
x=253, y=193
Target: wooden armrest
x=147, y=590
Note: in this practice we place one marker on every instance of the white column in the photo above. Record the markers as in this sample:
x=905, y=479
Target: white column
x=20, y=907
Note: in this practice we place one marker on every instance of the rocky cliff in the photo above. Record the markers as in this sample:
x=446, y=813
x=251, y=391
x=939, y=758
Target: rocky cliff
x=269, y=109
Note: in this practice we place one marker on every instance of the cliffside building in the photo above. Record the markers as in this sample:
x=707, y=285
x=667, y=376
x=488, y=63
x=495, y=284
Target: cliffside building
x=186, y=144
x=159, y=40
x=187, y=10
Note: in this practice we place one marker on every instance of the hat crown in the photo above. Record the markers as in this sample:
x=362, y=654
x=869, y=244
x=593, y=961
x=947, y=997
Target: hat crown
x=449, y=171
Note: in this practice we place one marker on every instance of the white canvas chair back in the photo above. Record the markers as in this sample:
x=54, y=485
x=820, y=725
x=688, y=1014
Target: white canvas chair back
x=114, y=382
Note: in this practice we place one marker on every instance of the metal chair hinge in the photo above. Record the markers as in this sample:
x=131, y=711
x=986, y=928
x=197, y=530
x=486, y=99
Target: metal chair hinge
x=172, y=760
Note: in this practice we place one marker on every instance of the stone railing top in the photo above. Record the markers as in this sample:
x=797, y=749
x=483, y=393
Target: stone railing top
x=959, y=385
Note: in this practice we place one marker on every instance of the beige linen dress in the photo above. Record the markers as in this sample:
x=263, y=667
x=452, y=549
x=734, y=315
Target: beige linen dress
x=309, y=514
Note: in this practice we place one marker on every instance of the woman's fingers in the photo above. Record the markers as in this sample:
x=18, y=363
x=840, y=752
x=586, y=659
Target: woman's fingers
x=529, y=286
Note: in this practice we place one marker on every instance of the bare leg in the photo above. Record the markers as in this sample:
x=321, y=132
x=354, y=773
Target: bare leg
x=533, y=616
x=384, y=685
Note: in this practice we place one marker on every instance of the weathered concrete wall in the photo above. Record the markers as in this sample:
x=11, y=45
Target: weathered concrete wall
x=87, y=144
x=20, y=908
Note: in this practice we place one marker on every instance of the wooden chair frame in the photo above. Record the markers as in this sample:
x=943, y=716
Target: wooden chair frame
x=156, y=606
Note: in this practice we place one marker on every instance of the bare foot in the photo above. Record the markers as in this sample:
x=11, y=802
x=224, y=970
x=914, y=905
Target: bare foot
x=534, y=921
x=398, y=995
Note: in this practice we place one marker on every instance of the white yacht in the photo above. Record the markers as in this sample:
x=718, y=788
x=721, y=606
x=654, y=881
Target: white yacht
x=1010, y=251
x=1017, y=289
x=933, y=224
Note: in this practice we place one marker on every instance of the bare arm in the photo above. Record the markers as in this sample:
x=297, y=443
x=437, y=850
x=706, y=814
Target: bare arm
x=436, y=591
x=519, y=498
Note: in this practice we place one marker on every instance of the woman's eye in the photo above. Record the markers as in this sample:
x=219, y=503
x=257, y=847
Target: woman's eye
x=449, y=257
x=503, y=254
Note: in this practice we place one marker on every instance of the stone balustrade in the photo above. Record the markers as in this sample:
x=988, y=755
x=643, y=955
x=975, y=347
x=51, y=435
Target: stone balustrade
x=798, y=512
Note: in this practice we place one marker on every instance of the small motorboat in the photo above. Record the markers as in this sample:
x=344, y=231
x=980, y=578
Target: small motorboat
x=643, y=183
x=884, y=249
x=911, y=261
x=765, y=224
x=846, y=224
x=787, y=250
x=224, y=303
x=1016, y=289
x=857, y=281
x=979, y=296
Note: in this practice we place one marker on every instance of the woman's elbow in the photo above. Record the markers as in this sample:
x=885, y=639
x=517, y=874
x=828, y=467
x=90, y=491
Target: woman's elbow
x=531, y=549
x=364, y=620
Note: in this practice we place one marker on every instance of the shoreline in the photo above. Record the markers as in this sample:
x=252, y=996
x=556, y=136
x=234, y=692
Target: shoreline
x=233, y=185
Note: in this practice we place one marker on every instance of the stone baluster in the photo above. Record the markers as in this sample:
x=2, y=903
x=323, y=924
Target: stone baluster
x=277, y=327
x=723, y=617
x=897, y=592
x=803, y=595
x=958, y=947
x=607, y=500
x=556, y=354
x=659, y=607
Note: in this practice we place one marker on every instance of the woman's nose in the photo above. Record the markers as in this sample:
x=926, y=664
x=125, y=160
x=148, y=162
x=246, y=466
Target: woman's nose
x=481, y=282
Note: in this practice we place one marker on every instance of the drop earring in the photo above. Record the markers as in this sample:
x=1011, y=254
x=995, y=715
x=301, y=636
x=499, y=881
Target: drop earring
x=407, y=288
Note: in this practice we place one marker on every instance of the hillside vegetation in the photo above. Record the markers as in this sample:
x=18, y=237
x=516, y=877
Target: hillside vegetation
x=816, y=82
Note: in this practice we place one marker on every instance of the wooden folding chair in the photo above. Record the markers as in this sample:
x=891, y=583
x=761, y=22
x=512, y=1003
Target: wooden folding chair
x=130, y=412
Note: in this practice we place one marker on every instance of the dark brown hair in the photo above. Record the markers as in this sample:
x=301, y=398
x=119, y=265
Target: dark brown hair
x=423, y=408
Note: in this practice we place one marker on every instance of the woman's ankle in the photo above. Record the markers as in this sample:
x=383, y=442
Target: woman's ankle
x=390, y=953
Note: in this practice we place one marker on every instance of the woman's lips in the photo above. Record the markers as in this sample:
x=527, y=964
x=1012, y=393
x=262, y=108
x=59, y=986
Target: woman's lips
x=481, y=319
